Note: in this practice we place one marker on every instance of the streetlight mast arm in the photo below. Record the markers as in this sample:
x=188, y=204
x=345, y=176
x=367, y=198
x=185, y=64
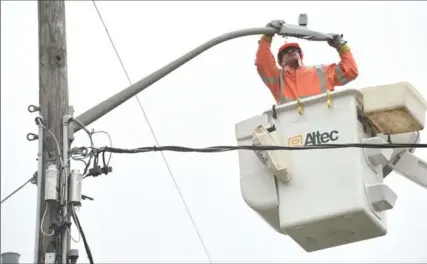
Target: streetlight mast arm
x=109, y=104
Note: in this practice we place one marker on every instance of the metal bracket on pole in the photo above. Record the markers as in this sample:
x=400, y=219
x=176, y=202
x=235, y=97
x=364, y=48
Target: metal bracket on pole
x=65, y=238
x=33, y=108
x=70, y=128
x=34, y=179
x=32, y=137
x=39, y=183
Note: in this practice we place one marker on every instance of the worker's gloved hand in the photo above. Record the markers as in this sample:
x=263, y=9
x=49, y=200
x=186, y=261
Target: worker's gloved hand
x=277, y=24
x=337, y=42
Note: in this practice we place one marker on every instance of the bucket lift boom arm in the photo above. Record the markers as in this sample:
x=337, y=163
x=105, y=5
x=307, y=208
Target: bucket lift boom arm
x=404, y=162
x=411, y=167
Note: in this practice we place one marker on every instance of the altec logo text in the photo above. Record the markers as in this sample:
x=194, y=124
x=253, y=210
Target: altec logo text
x=313, y=138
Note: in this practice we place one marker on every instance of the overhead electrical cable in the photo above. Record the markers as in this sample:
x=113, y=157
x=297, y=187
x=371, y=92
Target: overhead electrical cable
x=252, y=147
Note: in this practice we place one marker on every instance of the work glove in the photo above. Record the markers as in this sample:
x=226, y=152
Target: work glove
x=336, y=42
x=277, y=24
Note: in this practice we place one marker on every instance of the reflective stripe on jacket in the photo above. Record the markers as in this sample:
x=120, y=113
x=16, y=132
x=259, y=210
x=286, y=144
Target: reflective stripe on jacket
x=288, y=84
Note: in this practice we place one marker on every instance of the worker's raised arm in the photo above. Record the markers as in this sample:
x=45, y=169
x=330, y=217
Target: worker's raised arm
x=265, y=62
x=346, y=70
x=266, y=65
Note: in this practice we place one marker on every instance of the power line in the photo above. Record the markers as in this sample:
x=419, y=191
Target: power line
x=17, y=190
x=154, y=135
x=260, y=148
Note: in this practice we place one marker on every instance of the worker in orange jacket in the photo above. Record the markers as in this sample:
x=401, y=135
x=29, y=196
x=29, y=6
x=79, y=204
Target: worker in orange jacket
x=294, y=81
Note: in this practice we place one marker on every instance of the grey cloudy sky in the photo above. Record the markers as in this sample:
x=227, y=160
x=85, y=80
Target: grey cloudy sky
x=137, y=215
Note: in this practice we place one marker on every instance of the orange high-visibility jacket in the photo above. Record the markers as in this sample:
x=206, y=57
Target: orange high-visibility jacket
x=288, y=84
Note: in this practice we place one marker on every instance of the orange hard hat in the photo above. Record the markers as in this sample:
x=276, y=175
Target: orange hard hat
x=287, y=46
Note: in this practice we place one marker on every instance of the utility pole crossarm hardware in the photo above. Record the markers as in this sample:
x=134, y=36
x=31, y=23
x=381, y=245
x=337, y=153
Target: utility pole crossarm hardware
x=109, y=104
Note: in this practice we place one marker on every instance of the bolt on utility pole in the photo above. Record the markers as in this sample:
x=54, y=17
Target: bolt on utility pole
x=53, y=102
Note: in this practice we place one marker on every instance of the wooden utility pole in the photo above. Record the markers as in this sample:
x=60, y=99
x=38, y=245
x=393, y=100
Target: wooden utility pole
x=53, y=96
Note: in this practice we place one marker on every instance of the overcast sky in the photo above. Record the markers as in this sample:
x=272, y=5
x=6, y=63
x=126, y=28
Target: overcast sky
x=137, y=214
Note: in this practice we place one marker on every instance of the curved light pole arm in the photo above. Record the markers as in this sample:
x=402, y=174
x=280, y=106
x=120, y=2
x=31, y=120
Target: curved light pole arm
x=109, y=104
